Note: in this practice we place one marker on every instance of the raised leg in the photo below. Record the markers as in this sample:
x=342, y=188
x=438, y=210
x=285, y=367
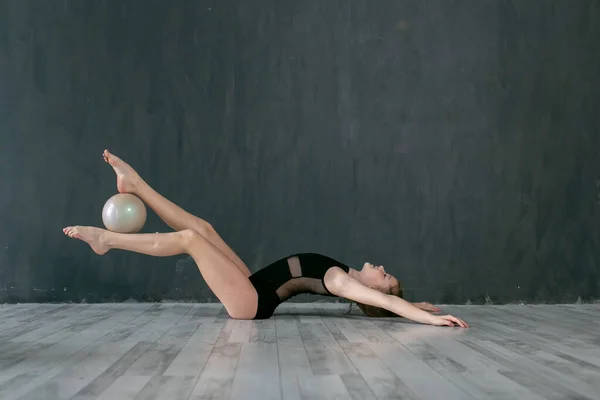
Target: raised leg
x=128, y=181
x=222, y=276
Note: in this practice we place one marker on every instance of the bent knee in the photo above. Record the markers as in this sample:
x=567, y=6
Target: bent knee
x=190, y=236
x=204, y=228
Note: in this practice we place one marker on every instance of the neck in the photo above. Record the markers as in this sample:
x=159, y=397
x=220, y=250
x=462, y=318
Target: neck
x=354, y=273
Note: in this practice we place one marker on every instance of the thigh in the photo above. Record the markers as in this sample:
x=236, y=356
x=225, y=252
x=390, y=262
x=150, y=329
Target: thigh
x=209, y=232
x=231, y=286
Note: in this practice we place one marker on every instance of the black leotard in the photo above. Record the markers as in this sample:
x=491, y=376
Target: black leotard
x=290, y=276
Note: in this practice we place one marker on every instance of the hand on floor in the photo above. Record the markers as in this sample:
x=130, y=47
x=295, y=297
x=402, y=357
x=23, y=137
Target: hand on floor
x=448, y=320
x=427, y=307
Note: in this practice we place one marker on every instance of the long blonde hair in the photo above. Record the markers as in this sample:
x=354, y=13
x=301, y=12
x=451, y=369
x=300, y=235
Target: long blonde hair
x=378, y=312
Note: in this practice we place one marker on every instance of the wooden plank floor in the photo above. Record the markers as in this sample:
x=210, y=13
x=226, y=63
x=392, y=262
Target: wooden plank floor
x=307, y=351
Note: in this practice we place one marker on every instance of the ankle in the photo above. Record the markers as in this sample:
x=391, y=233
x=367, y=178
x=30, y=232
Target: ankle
x=104, y=239
x=139, y=186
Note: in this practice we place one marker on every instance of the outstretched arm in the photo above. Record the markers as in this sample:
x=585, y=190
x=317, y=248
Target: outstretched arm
x=343, y=285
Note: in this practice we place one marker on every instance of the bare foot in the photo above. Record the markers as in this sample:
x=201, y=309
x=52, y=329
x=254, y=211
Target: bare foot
x=89, y=234
x=127, y=178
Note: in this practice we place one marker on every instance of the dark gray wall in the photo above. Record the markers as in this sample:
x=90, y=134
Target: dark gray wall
x=455, y=142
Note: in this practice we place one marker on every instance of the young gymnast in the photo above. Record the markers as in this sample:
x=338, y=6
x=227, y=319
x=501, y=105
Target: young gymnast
x=247, y=295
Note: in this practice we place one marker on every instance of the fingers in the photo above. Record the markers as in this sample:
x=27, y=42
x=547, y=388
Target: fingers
x=456, y=321
x=434, y=308
x=449, y=320
x=429, y=307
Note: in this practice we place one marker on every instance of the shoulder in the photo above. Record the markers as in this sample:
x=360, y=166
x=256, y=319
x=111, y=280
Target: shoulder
x=341, y=284
x=336, y=278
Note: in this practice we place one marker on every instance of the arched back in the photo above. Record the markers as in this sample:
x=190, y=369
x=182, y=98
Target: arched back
x=296, y=274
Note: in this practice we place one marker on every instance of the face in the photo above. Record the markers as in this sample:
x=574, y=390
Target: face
x=375, y=277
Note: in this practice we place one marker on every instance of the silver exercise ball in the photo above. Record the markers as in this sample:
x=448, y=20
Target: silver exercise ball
x=124, y=213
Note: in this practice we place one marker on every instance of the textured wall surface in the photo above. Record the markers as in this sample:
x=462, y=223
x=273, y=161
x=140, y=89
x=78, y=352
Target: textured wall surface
x=455, y=142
